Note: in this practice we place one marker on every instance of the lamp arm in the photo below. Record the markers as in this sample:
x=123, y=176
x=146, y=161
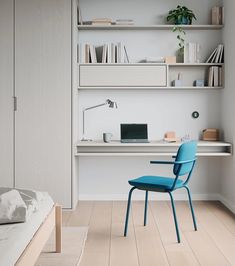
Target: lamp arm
x=95, y=106
x=83, y=115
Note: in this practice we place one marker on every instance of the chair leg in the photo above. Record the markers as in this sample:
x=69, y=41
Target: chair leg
x=128, y=210
x=146, y=208
x=175, y=218
x=191, y=207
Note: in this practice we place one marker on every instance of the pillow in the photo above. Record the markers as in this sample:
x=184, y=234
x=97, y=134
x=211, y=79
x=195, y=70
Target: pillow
x=12, y=207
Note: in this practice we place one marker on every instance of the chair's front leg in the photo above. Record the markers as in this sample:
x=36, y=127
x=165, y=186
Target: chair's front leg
x=146, y=208
x=175, y=218
x=128, y=210
x=191, y=207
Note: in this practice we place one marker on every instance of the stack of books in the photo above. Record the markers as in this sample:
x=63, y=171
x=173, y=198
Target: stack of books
x=217, y=56
x=101, y=21
x=217, y=15
x=215, y=76
x=152, y=59
x=106, y=53
x=124, y=22
x=192, y=53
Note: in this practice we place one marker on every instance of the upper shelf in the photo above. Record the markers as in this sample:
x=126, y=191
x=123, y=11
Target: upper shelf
x=148, y=27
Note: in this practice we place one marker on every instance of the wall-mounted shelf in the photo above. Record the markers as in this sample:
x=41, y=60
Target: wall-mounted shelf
x=141, y=76
x=149, y=27
x=170, y=88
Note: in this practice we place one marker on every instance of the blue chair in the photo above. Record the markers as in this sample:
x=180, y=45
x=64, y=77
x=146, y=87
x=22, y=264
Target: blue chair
x=182, y=166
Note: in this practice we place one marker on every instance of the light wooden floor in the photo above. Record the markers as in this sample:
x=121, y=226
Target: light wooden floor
x=213, y=244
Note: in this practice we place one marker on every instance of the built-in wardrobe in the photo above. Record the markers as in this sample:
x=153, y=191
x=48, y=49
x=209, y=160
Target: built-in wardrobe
x=35, y=96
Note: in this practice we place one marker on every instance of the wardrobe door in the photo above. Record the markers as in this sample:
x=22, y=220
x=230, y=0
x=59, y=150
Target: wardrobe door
x=43, y=90
x=6, y=92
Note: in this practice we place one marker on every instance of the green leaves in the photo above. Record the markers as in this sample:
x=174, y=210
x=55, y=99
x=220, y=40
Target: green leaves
x=181, y=15
x=180, y=35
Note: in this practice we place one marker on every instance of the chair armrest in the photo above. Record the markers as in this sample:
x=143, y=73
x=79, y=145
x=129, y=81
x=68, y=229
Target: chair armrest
x=162, y=162
x=173, y=162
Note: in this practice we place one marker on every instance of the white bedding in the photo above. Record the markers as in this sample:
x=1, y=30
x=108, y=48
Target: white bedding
x=15, y=237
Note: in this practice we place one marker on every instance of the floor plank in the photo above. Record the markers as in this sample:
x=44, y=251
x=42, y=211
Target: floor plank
x=223, y=214
x=178, y=254
x=97, y=246
x=123, y=250
x=82, y=215
x=149, y=245
x=200, y=242
x=222, y=237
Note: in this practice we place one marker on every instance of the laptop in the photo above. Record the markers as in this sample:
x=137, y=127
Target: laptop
x=134, y=133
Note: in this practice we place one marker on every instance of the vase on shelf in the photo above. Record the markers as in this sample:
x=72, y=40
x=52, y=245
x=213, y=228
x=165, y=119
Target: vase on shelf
x=180, y=55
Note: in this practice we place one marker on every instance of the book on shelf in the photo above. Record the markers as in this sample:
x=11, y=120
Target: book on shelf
x=124, y=22
x=101, y=21
x=215, y=76
x=217, y=15
x=106, y=53
x=153, y=59
x=217, y=56
x=192, y=53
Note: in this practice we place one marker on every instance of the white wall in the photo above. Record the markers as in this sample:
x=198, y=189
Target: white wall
x=228, y=108
x=106, y=178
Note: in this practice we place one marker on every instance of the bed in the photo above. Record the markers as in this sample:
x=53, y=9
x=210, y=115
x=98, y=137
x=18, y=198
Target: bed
x=21, y=243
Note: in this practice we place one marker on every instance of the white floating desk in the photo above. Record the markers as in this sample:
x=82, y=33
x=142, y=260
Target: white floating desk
x=153, y=148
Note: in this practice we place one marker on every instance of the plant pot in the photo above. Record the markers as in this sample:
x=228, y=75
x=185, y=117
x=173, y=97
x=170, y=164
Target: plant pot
x=182, y=21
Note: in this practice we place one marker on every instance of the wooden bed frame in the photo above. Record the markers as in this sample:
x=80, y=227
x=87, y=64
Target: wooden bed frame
x=35, y=246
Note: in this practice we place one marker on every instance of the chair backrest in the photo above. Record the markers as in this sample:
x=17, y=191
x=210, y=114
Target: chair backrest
x=186, y=152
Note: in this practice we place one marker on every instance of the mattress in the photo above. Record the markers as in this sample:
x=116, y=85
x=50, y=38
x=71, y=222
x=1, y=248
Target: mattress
x=15, y=237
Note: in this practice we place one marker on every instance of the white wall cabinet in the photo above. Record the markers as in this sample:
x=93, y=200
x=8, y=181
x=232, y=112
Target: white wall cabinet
x=35, y=65
x=6, y=93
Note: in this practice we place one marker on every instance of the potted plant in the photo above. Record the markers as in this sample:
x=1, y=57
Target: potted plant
x=181, y=16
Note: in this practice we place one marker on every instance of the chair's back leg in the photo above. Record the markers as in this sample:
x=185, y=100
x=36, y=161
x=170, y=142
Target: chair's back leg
x=191, y=207
x=145, y=208
x=175, y=218
x=128, y=210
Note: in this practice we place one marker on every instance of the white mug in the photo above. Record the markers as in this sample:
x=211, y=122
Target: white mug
x=107, y=137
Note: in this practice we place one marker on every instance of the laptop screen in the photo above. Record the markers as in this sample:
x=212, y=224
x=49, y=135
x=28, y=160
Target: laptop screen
x=134, y=131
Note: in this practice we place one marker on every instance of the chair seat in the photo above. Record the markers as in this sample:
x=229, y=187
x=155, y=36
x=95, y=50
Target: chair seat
x=155, y=183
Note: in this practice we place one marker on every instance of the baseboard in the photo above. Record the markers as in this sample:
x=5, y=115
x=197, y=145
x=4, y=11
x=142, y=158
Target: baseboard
x=227, y=203
x=152, y=196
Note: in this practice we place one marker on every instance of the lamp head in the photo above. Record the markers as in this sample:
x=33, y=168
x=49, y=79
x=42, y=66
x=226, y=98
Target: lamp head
x=111, y=103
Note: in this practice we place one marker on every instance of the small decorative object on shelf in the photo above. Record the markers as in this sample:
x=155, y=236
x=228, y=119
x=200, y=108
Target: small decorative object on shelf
x=181, y=16
x=178, y=82
x=170, y=59
x=170, y=137
x=199, y=83
x=210, y=134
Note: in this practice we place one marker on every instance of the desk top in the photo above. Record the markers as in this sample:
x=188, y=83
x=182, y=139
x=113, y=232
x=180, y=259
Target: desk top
x=156, y=148
x=157, y=143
